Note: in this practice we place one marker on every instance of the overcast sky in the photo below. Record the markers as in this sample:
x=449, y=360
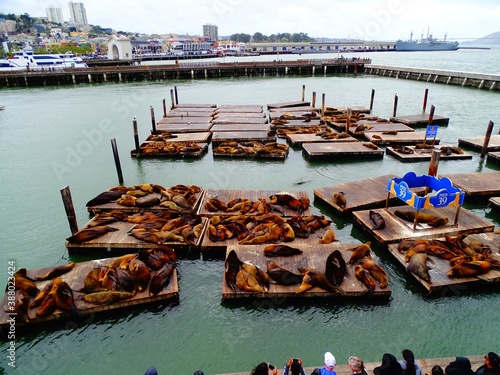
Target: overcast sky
x=364, y=19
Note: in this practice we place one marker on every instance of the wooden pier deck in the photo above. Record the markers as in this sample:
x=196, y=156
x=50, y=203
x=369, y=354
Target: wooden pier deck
x=239, y=136
x=239, y=108
x=299, y=139
x=239, y=120
x=478, y=142
x=175, y=127
x=411, y=154
x=332, y=150
x=241, y=127
x=313, y=257
x=421, y=120
x=288, y=105
x=493, y=157
x=75, y=279
x=438, y=273
x=359, y=128
x=401, y=138
x=397, y=229
x=336, y=110
x=476, y=184
x=495, y=202
x=229, y=115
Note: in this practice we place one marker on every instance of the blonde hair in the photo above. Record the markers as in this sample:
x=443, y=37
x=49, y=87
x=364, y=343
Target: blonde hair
x=356, y=363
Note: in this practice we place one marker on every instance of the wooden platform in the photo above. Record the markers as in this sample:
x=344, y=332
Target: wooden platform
x=438, y=274
x=228, y=115
x=397, y=229
x=332, y=150
x=239, y=108
x=495, y=202
x=424, y=154
x=378, y=127
x=194, y=106
x=313, y=257
x=343, y=109
x=240, y=127
x=299, y=139
x=289, y=104
x=477, y=142
x=189, y=115
x=402, y=138
x=493, y=157
x=239, y=120
x=253, y=195
x=122, y=241
x=239, y=136
x=421, y=120
x=360, y=194
x=184, y=150
x=185, y=120
x=184, y=127
x=300, y=123
x=476, y=184
x=75, y=279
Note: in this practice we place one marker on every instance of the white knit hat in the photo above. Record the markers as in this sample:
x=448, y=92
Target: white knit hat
x=330, y=360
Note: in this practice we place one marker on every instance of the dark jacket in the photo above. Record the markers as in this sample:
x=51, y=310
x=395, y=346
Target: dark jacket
x=389, y=366
x=460, y=366
x=484, y=370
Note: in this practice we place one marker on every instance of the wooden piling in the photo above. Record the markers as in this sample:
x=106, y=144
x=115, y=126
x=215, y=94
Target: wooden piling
x=70, y=209
x=136, y=137
x=172, y=99
x=431, y=115
x=424, y=107
x=487, y=137
x=395, y=107
x=153, y=122
x=117, y=161
x=433, y=165
x=176, y=97
x=348, y=121
x=303, y=92
x=313, y=104
x=164, y=108
x=323, y=104
x=371, y=100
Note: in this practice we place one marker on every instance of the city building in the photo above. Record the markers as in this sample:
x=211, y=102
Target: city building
x=211, y=32
x=54, y=15
x=77, y=13
x=7, y=26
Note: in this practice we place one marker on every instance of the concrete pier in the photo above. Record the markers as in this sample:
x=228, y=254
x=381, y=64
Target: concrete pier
x=448, y=77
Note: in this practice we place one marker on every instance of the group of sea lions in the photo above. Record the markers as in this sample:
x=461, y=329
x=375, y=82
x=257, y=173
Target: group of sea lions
x=422, y=217
x=170, y=148
x=175, y=198
x=283, y=132
x=269, y=228
x=466, y=259
x=150, y=227
x=251, y=148
x=366, y=270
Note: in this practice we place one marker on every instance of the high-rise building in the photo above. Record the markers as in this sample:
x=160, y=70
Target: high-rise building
x=211, y=32
x=78, y=13
x=54, y=15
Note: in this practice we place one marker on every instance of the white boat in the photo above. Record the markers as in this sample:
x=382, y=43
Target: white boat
x=36, y=62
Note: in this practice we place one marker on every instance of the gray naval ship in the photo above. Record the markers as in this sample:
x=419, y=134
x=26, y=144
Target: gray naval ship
x=427, y=44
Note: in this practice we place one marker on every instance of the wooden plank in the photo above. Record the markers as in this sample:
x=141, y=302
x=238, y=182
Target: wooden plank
x=239, y=120
x=493, y=157
x=361, y=127
x=402, y=138
x=478, y=142
x=329, y=150
x=75, y=279
x=289, y=104
x=253, y=195
x=344, y=108
x=194, y=115
x=202, y=137
x=313, y=257
x=299, y=139
x=259, y=136
x=476, y=184
x=228, y=115
x=495, y=202
x=194, y=106
x=438, y=273
x=240, y=127
x=421, y=120
x=412, y=154
x=121, y=240
x=240, y=108
x=184, y=128
x=397, y=229
x=184, y=120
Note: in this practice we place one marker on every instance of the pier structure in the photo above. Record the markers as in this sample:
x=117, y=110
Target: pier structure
x=449, y=77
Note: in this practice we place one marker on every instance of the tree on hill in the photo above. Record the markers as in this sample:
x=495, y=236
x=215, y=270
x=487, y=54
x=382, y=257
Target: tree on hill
x=244, y=38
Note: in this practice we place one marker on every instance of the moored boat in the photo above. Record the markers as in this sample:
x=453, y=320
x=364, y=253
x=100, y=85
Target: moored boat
x=426, y=44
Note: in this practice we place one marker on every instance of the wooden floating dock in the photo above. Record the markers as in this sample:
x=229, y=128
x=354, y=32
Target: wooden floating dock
x=360, y=194
x=240, y=108
x=75, y=279
x=185, y=120
x=438, y=274
x=397, y=229
x=495, y=202
x=377, y=127
x=253, y=195
x=239, y=120
x=299, y=139
x=421, y=120
x=476, y=184
x=240, y=127
x=337, y=110
x=184, y=127
x=229, y=115
x=152, y=149
x=401, y=138
x=478, y=142
x=195, y=106
x=332, y=150
x=227, y=136
x=423, y=154
x=313, y=257
x=288, y=105
x=294, y=124
x=493, y=157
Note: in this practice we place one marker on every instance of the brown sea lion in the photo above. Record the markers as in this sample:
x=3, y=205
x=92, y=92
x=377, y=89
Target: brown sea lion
x=313, y=278
x=161, y=279
x=49, y=305
x=328, y=237
x=261, y=276
x=282, y=276
x=419, y=248
x=91, y=282
x=336, y=268
x=125, y=280
x=360, y=252
x=89, y=234
x=281, y=251
x=105, y=197
x=247, y=282
x=231, y=268
x=418, y=266
x=406, y=244
x=64, y=298
x=364, y=276
x=147, y=201
x=41, y=296
x=57, y=271
x=469, y=269
x=376, y=271
x=339, y=200
x=21, y=306
x=106, y=297
x=141, y=274
x=144, y=235
x=377, y=220
x=24, y=283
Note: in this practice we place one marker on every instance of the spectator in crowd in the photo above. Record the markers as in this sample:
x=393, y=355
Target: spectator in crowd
x=460, y=366
x=294, y=367
x=436, y=370
x=408, y=364
x=329, y=366
x=151, y=371
x=263, y=369
x=357, y=366
x=389, y=366
x=491, y=365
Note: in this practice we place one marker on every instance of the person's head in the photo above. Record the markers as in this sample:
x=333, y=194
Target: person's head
x=437, y=370
x=408, y=355
x=356, y=364
x=261, y=369
x=198, y=372
x=295, y=367
x=151, y=371
x=329, y=361
x=492, y=360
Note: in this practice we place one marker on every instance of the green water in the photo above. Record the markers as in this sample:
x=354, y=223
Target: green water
x=60, y=136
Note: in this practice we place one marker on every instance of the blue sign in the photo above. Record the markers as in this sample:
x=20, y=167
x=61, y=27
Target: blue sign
x=431, y=131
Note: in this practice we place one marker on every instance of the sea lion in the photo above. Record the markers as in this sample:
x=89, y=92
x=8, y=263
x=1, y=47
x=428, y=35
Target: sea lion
x=282, y=276
x=22, y=282
x=314, y=278
x=105, y=197
x=247, y=282
x=91, y=233
x=287, y=200
x=147, y=201
x=146, y=236
x=370, y=145
x=418, y=266
x=41, y=296
x=328, y=237
x=469, y=269
x=141, y=274
x=360, y=252
x=417, y=249
x=406, y=244
x=49, y=305
x=231, y=268
x=64, y=298
x=161, y=279
x=281, y=251
x=57, y=271
x=339, y=200
x=91, y=282
x=106, y=297
x=410, y=216
x=21, y=306
x=376, y=271
x=364, y=276
x=377, y=220
x=125, y=280
x=438, y=222
x=336, y=268
x=261, y=276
